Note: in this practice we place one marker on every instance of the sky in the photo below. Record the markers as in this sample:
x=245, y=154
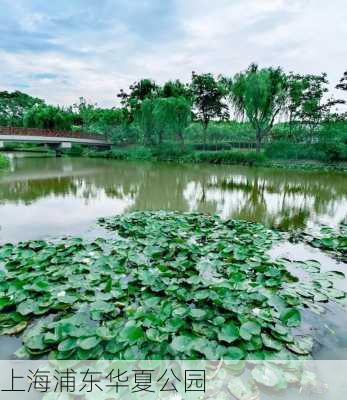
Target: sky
x=62, y=50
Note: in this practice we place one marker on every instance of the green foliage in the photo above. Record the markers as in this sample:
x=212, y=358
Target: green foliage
x=4, y=163
x=139, y=91
x=333, y=241
x=306, y=102
x=48, y=117
x=343, y=82
x=325, y=151
x=75, y=151
x=176, y=89
x=260, y=95
x=135, y=153
x=219, y=132
x=111, y=122
x=171, y=152
x=14, y=105
x=172, y=115
x=165, y=286
x=292, y=151
x=197, y=113
x=208, y=99
x=227, y=157
x=146, y=119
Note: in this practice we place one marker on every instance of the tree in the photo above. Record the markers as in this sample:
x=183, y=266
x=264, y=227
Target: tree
x=48, y=117
x=260, y=95
x=296, y=87
x=13, y=106
x=172, y=115
x=307, y=103
x=342, y=85
x=139, y=91
x=208, y=95
x=105, y=121
x=176, y=89
x=145, y=117
x=343, y=82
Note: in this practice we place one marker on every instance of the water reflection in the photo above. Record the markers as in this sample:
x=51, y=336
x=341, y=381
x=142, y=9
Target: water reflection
x=54, y=196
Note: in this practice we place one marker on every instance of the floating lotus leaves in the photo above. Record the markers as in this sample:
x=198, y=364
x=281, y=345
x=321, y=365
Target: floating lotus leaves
x=167, y=285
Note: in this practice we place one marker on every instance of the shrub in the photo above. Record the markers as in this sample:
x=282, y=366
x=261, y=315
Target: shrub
x=326, y=151
x=228, y=157
x=130, y=153
x=170, y=152
x=283, y=150
x=334, y=151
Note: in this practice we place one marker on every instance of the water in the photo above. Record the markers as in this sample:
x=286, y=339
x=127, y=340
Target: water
x=48, y=197
x=44, y=198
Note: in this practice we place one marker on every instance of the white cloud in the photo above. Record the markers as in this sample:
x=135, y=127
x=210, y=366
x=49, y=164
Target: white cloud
x=221, y=37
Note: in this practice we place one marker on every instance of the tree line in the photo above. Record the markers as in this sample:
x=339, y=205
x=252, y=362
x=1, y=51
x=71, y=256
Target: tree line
x=252, y=103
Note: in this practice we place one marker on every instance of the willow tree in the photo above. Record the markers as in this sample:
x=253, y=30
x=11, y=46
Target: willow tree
x=145, y=118
x=172, y=115
x=260, y=95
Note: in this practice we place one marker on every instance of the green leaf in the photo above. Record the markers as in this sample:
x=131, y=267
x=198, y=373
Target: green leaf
x=248, y=329
x=88, y=343
x=271, y=343
x=229, y=333
x=269, y=375
x=234, y=353
x=27, y=307
x=197, y=313
x=67, y=344
x=131, y=333
x=182, y=344
x=291, y=317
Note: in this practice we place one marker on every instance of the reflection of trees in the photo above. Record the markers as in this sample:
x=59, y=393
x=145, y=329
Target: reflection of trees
x=30, y=190
x=284, y=199
x=280, y=198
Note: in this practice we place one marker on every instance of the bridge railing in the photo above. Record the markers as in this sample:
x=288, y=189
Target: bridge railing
x=12, y=131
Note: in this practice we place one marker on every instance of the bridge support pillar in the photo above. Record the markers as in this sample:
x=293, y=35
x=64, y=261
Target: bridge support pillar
x=2, y=144
x=65, y=145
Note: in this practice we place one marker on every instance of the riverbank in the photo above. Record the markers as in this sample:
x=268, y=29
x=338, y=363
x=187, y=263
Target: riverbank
x=226, y=157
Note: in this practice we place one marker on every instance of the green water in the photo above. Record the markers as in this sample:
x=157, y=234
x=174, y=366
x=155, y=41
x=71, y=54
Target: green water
x=47, y=197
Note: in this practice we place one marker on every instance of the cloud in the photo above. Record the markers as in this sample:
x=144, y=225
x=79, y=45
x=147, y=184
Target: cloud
x=62, y=50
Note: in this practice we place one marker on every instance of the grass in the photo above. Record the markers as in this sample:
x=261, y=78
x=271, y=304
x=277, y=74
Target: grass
x=187, y=154
x=228, y=157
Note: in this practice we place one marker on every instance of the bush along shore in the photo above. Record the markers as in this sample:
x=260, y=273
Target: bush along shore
x=166, y=286
x=233, y=157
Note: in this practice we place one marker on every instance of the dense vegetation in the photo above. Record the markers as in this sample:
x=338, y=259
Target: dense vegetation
x=291, y=116
x=167, y=286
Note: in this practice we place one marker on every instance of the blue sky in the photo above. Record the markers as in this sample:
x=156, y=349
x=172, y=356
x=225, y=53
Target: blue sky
x=60, y=50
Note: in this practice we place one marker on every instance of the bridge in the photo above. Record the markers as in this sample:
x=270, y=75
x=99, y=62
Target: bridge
x=53, y=138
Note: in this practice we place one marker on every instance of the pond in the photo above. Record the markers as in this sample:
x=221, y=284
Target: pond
x=42, y=198
x=48, y=197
